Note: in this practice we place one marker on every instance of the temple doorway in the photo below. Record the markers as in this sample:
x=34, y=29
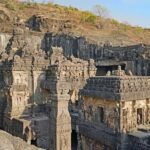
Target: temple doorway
x=139, y=116
x=74, y=140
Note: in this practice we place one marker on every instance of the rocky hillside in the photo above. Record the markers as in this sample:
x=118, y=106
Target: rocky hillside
x=9, y=142
x=40, y=18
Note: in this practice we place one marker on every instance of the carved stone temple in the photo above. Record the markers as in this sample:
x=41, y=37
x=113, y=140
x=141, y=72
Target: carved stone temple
x=115, y=110
x=57, y=102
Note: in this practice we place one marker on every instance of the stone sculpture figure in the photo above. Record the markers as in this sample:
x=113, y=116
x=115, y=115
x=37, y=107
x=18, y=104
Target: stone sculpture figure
x=64, y=142
x=28, y=135
x=108, y=73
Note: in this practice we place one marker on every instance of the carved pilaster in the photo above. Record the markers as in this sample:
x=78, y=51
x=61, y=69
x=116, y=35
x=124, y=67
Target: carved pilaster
x=60, y=126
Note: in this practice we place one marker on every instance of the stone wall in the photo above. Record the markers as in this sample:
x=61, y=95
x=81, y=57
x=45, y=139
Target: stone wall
x=90, y=144
x=112, y=118
x=98, y=133
x=100, y=112
x=137, y=143
x=80, y=47
x=40, y=126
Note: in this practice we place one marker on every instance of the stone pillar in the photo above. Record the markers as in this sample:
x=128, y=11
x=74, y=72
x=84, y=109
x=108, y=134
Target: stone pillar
x=60, y=125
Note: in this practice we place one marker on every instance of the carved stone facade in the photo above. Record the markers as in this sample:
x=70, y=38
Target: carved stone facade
x=115, y=109
x=45, y=97
x=64, y=78
x=42, y=91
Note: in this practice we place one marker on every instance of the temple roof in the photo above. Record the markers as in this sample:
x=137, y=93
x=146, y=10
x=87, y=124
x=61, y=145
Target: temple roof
x=118, y=87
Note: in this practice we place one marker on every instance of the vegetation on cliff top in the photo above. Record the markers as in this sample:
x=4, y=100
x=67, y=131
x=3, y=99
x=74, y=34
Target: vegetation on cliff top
x=94, y=26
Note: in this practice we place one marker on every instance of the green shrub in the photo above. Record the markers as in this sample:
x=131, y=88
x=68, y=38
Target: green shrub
x=115, y=22
x=91, y=19
x=66, y=9
x=11, y=5
x=125, y=27
x=138, y=30
x=49, y=4
x=88, y=17
x=73, y=8
x=22, y=6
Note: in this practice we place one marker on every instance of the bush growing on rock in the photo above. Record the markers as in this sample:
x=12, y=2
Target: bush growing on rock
x=88, y=17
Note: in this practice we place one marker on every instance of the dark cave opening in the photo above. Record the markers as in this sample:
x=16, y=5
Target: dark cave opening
x=74, y=140
x=102, y=70
x=34, y=142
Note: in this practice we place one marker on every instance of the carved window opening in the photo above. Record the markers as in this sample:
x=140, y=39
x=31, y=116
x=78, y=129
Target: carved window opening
x=101, y=114
x=139, y=116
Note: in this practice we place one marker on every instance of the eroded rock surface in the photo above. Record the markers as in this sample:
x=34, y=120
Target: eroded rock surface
x=9, y=142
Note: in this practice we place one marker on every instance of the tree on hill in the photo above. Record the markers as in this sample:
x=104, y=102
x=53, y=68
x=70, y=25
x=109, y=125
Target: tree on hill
x=101, y=11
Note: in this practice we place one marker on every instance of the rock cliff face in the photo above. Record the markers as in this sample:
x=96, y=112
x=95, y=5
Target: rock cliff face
x=8, y=142
x=77, y=46
x=135, y=57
